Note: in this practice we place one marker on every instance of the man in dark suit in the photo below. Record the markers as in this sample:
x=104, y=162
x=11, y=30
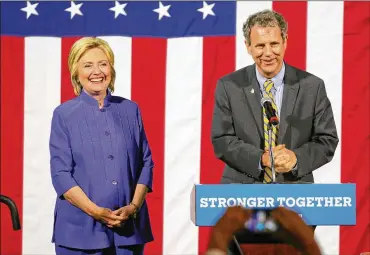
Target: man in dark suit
x=305, y=138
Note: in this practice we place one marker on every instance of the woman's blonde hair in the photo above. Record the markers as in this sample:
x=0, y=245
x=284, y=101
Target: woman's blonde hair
x=78, y=50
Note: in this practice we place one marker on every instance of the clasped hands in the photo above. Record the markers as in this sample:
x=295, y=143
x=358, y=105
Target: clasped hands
x=284, y=159
x=114, y=218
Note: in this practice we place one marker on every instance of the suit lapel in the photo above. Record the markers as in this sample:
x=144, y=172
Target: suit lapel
x=252, y=92
x=291, y=88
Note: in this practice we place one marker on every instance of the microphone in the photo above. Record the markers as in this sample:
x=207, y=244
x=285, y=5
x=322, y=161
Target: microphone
x=270, y=111
x=273, y=119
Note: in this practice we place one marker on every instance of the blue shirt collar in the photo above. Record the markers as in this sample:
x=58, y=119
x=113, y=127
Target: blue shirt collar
x=92, y=101
x=277, y=79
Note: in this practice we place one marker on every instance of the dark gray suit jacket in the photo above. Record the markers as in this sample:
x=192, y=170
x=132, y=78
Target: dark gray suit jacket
x=307, y=125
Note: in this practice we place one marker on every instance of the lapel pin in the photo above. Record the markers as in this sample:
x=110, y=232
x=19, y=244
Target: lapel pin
x=252, y=91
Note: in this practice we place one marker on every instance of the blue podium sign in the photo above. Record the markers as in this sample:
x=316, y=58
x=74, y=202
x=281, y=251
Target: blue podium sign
x=317, y=204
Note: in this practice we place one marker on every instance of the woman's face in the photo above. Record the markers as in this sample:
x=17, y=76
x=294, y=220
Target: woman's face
x=94, y=71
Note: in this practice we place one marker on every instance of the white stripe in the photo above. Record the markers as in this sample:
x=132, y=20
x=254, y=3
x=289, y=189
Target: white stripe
x=121, y=47
x=243, y=10
x=324, y=59
x=182, y=143
x=42, y=95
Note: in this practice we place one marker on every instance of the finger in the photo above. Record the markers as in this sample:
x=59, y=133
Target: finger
x=117, y=211
x=118, y=217
x=117, y=223
x=280, y=161
x=122, y=217
x=280, y=169
x=236, y=212
x=113, y=225
x=125, y=217
x=286, y=216
x=279, y=147
x=234, y=219
x=278, y=165
x=279, y=214
x=280, y=153
x=124, y=214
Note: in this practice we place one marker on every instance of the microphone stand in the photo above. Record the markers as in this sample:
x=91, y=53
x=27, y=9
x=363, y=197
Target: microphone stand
x=269, y=128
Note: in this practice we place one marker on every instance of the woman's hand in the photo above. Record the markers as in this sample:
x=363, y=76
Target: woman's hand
x=108, y=217
x=126, y=212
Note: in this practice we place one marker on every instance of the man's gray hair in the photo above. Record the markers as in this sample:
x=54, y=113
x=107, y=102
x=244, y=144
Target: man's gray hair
x=265, y=18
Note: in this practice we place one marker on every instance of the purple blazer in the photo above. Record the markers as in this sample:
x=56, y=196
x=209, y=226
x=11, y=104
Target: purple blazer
x=105, y=152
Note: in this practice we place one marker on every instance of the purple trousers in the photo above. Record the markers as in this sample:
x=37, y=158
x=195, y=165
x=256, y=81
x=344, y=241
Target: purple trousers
x=124, y=250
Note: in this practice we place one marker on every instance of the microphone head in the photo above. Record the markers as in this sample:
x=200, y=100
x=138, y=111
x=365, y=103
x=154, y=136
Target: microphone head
x=273, y=119
x=265, y=99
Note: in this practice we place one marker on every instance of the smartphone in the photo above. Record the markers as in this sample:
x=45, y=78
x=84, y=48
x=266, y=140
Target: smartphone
x=261, y=222
x=260, y=228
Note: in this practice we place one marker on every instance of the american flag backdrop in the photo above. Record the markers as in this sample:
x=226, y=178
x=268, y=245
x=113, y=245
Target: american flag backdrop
x=169, y=56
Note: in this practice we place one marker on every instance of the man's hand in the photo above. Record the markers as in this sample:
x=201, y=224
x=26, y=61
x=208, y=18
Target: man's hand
x=265, y=160
x=284, y=160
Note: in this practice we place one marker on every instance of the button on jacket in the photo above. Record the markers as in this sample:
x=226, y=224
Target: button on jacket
x=106, y=153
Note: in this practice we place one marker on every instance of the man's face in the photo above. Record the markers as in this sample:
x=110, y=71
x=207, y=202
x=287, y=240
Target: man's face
x=267, y=49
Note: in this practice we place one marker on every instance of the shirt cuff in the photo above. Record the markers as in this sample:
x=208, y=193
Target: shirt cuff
x=295, y=169
x=146, y=178
x=63, y=182
x=259, y=165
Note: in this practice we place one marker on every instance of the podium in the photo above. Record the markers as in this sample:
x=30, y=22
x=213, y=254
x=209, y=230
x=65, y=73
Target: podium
x=317, y=204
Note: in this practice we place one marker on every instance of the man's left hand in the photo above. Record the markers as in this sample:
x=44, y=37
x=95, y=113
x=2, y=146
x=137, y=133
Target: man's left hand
x=284, y=160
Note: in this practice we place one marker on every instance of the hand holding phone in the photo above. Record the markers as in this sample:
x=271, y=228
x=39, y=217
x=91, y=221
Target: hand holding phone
x=293, y=230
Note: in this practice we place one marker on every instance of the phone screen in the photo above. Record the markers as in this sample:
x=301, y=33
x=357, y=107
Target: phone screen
x=261, y=222
x=260, y=228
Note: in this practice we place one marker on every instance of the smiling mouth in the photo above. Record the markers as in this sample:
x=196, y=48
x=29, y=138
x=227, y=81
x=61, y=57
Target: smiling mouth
x=96, y=80
x=268, y=62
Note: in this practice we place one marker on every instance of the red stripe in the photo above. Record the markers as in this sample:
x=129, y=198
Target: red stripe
x=66, y=84
x=355, y=122
x=295, y=14
x=218, y=60
x=12, y=113
x=148, y=90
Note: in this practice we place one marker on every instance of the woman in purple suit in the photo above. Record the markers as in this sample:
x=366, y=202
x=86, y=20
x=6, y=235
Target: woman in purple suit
x=101, y=163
